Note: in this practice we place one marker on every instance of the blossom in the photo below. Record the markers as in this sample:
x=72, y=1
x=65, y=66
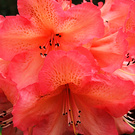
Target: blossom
x=72, y=92
x=43, y=26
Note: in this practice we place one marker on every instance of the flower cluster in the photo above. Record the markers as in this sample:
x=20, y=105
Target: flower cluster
x=68, y=69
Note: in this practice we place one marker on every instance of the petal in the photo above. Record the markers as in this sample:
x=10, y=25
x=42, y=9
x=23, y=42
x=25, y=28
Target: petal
x=61, y=68
x=108, y=92
x=56, y=124
x=9, y=89
x=18, y=35
x=94, y=121
x=24, y=68
x=130, y=29
x=113, y=13
x=122, y=127
x=33, y=108
x=11, y=131
x=2, y=19
x=77, y=30
x=47, y=14
x=110, y=51
x=4, y=67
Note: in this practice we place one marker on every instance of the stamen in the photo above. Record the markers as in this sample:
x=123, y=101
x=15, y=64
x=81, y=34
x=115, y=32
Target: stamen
x=70, y=109
x=51, y=44
x=5, y=113
x=6, y=123
x=128, y=63
x=126, y=72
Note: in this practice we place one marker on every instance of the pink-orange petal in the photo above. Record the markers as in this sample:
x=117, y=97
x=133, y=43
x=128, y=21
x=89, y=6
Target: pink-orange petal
x=4, y=67
x=110, y=51
x=18, y=35
x=113, y=13
x=83, y=24
x=2, y=19
x=46, y=14
x=33, y=108
x=94, y=121
x=24, y=68
x=123, y=127
x=108, y=92
x=9, y=89
x=61, y=68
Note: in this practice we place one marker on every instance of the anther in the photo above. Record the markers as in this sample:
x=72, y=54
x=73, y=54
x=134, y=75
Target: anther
x=63, y=114
x=66, y=113
x=57, y=34
x=44, y=47
x=57, y=44
x=4, y=113
x=40, y=47
x=10, y=122
x=45, y=54
x=128, y=63
x=106, y=21
x=79, y=111
x=79, y=116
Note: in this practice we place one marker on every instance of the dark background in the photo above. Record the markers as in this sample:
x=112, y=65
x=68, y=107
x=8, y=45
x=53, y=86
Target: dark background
x=9, y=7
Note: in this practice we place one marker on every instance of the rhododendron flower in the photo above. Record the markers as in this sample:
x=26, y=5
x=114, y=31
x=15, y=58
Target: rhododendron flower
x=72, y=97
x=43, y=26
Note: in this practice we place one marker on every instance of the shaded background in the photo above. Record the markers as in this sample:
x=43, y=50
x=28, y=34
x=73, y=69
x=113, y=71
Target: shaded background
x=9, y=7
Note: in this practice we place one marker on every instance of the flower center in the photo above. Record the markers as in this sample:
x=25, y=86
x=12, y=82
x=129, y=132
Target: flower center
x=7, y=120
x=70, y=109
x=52, y=44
